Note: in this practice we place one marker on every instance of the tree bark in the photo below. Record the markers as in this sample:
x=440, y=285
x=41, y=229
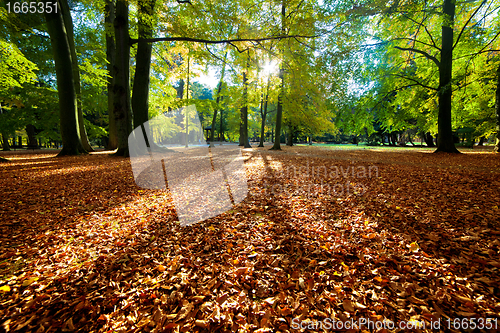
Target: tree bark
x=68, y=110
x=217, y=101
x=289, y=142
x=30, y=130
x=497, y=110
x=279, y=112
x=244, y=110
x=5, y=143
x=221, y=128
x=121, y=90
x=109, y=18
x=140, y=89
x=429, y=140
x=68, y=23
x=445, y=134
x=264, y=114
x=187, y=98
x=279, y=107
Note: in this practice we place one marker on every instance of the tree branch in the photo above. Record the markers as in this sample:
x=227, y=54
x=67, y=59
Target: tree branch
x=425, y=28
x=466, y=23
x=483, y=50
x=393, y=91
x=416, y=41
x=221, y=41
x=416, y=82
x=427, y=55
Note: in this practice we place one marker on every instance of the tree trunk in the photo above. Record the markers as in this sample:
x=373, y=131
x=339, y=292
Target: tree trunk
x=68, y=110
x=289, y=142
x=244, y=110
x=121, y=89
x=30, y=130
x=187, y=98
x=140, y=90
x=5, y=143
x=429, y=140
x=219, y=88
x=240, y=139
x=279, y=107
x=497, y=110
x=221, y=129
x=264, y=114
x=68, y=23
x=279, y=113
x=445, y=134
x=109, y=18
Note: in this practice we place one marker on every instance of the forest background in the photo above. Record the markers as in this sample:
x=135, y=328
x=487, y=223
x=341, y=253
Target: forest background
x=287, y=71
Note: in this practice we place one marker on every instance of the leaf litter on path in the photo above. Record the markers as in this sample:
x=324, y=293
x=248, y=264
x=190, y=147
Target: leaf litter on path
x=83, y=248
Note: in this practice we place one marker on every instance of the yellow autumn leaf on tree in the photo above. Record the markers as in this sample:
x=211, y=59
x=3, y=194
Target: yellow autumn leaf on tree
x=4, y=289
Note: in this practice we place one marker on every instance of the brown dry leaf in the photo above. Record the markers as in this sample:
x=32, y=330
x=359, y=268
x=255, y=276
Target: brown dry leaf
x=201, y=323
x=69, y=324
x=416, y=300
x=186, y=309
x=348, y=306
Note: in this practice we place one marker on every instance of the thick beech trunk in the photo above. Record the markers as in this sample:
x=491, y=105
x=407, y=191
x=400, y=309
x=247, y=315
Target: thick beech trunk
x=121, y=90
x=497, y=110
x=140, y=89
x=30, y=131
x=109, y=18
x=244, y=111
x=279, y=107
x=68, y=110
x=279, y=113
x=289, y=141
x=68, y=23
x=5, y=143
x=445, y=134
x=264, y=114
